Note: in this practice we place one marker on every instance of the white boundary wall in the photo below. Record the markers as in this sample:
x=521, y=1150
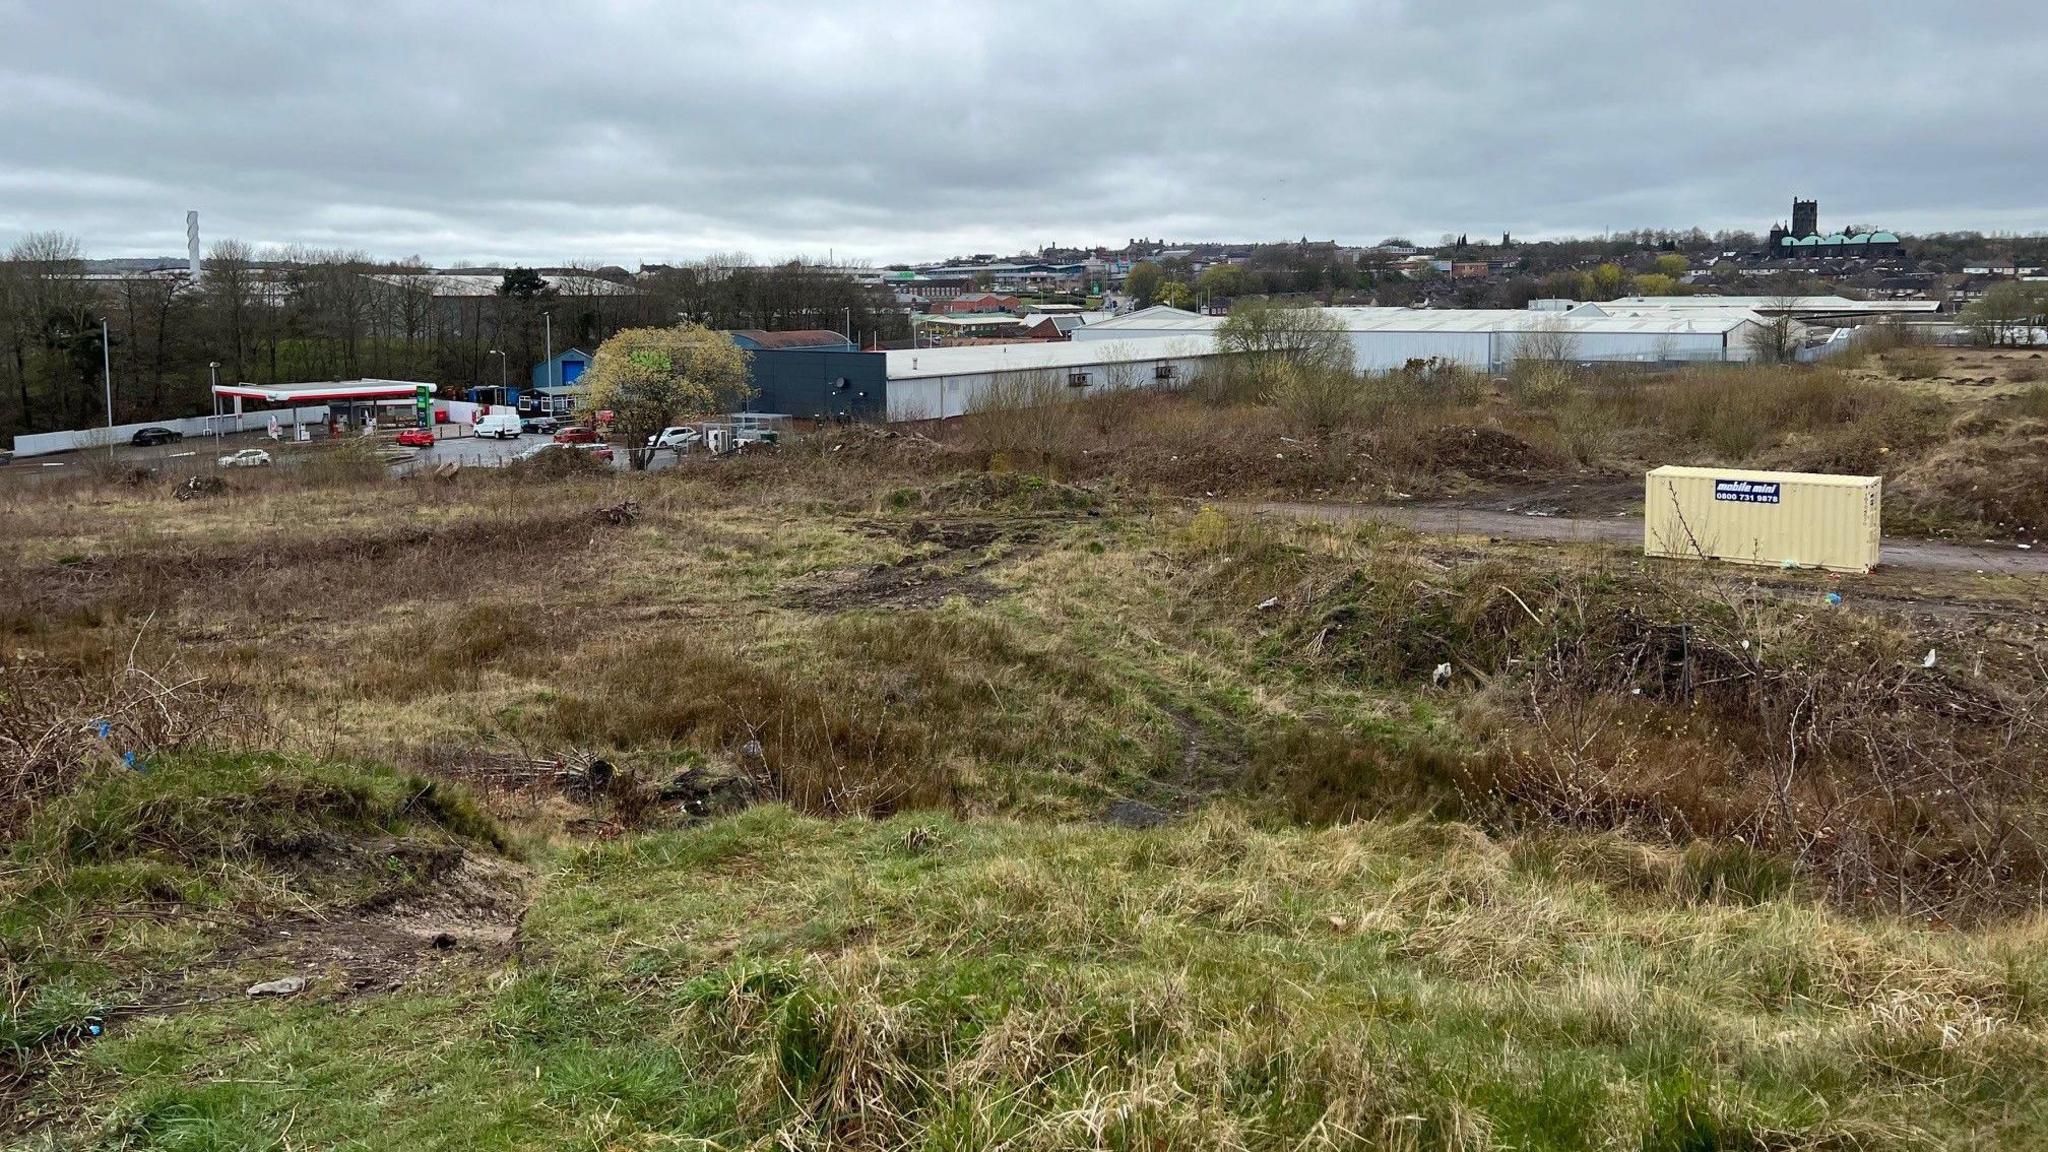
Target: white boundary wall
x=45, y=443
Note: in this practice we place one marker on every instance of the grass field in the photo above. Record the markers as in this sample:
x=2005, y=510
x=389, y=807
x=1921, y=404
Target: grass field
x=867, y=797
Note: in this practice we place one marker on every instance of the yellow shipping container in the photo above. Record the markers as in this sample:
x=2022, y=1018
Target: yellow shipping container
x=1782, y=519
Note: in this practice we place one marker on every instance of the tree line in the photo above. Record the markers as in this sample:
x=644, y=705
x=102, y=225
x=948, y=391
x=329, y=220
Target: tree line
x=296, y=314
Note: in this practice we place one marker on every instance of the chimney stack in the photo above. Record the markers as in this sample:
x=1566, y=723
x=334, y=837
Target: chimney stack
x=192, y=242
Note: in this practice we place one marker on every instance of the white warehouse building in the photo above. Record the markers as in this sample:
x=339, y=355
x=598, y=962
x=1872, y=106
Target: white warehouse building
x=936, y=383
x=1486, y=339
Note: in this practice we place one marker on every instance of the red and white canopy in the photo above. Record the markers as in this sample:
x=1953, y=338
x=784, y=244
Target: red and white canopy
x=323, y=393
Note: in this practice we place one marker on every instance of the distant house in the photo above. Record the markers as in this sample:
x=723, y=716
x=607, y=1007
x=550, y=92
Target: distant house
x=976, y=302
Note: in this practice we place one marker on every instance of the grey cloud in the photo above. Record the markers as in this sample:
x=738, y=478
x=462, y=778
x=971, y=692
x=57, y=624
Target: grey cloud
x=637, y=131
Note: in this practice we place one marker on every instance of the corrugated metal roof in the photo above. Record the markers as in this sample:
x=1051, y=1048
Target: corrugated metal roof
x=1773, y=303
x=1519, y=320
x=1448, y=320
x=488, y=283
x=799, y=338
x=970, y=320
x=917, y=363
x=1158, y=317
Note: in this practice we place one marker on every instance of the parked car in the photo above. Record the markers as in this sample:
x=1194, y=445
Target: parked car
x=674, y=438
x=532, y=450
x=540, y=425
x=600, y=451
x=416, y=438
x=154, y=435
x=498, y=425
x=576, y=434
x=246, y=458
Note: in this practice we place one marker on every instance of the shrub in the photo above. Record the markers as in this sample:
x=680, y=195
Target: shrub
x=1027, y=415
x=353, y=461
x=558, y=464
x=1317, y=400
x=1913, y=363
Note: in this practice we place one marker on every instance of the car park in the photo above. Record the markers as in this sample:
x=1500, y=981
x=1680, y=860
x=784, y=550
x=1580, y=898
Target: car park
x=416, y=438
x=245, y=458
x=154, y=435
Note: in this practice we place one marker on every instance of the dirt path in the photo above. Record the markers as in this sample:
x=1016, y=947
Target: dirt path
x=1923, y=555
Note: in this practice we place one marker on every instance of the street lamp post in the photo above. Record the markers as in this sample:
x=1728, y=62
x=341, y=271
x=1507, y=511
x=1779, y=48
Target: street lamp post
x=547, y=320
x=503, y=380
x=107, y=367
x=213, y=376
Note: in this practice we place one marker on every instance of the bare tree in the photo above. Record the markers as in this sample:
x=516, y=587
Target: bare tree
x=1548, y=341
x=1776, y=337
x=230, y=293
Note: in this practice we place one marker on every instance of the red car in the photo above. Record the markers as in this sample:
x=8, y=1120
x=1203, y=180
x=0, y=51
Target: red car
x=416, y=438
x=601, y=451
x=576, y=434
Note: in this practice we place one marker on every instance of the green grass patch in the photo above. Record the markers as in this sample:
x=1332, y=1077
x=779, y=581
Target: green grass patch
x=771, y=979
x=117, y=886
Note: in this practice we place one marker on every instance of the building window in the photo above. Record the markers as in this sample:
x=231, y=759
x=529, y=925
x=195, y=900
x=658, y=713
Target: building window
x=1162, y=372
x=1077, y=380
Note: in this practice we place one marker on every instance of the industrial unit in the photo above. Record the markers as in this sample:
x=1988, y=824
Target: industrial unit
x=1486, y=339
x=936, y=383
x=1779, y=519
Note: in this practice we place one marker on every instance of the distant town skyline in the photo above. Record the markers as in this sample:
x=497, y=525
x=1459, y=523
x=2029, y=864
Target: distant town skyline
x=501, y=134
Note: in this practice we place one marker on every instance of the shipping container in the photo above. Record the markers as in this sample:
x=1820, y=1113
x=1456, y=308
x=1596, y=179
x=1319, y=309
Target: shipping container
x=1781, y=519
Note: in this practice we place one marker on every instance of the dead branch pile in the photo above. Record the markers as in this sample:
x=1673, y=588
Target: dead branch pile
x=199, y=486
x=1890, y=775
x=56, y=725
x=617, y=515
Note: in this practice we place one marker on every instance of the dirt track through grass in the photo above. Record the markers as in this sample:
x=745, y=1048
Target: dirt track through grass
x=1454, y=520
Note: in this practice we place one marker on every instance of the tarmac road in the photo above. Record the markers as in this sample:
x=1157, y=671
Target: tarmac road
x=1627, y=529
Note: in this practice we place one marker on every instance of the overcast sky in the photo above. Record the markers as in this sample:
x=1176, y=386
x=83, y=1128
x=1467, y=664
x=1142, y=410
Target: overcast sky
x=655, y=130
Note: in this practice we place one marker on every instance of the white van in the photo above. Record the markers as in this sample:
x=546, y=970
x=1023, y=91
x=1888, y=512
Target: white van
x=501, y=425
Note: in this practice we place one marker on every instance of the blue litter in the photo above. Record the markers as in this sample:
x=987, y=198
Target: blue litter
x=1834, y=598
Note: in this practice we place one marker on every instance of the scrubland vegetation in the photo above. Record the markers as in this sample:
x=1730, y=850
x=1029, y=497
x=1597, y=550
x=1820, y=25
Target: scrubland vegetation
x=983, y=791
x=1963, y=448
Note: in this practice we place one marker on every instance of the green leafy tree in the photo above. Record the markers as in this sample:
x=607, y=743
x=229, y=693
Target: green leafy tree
x=1671, y=264
x=2008, y=313
x=1222, y=281
x=1175, y=294
x=1143, y=283
x=525, y=284
x=651, y=377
